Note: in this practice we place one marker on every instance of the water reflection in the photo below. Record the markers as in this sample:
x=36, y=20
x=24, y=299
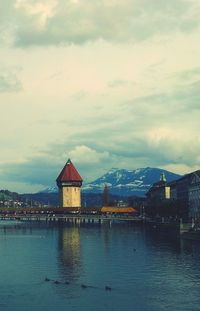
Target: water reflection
x=190, y=247
x=171, y=243
x=69, y=249
x=145, y=270
x=106, y=236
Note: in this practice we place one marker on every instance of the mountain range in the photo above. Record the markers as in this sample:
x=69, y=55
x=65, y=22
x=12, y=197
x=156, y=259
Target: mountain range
x=124, y=182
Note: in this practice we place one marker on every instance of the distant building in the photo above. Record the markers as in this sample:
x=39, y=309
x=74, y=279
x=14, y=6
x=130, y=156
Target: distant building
x=121, y=203
x=69, y=183
x=187, y=194
x=194, y=196
x=139, y=203
x=173, y=190
x=183, y=196
x=160, y=190
x=158, y=202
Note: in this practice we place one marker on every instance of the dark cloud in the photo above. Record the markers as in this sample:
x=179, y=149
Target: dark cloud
x=38, y=171
x=121, y=148
x=157, y=108
x=71, y=22
x=186, y=75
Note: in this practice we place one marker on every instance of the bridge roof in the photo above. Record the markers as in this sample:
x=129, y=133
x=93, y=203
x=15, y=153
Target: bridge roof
x=69, y=173
x=116, y=209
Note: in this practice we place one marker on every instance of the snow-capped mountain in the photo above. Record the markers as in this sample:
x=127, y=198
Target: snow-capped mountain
x=129, y=182
x=125, y=182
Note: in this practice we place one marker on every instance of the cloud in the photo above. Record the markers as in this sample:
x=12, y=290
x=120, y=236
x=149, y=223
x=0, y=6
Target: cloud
x=128, y=103
x=9, y=81
x=34, y=171
x=99, y=132
x=42, y=170
x=171, y=146
x=54, y=22
x=83, y=154
x=118, y=83
x=187, y=75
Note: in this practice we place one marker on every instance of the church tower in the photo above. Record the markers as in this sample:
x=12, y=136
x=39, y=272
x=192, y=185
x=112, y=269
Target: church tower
x=162, y=177
x=69, y=183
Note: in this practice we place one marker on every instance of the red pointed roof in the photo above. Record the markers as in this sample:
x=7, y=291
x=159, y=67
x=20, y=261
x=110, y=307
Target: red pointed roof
x=69, y=173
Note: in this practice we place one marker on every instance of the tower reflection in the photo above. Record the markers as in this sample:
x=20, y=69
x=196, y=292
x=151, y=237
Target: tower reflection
x=69, y=252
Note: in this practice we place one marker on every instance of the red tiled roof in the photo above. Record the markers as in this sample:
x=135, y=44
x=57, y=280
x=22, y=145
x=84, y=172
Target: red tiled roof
x=69, y=173
x=111, y=209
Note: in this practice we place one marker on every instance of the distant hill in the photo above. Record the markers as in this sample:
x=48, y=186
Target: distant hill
x=124, y=182
x=6, y=195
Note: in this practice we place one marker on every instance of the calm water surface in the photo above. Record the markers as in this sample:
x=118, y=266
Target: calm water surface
x=146, y=272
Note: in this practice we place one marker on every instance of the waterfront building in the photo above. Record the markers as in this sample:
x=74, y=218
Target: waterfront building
x=69, y=183
x=158, y=199
x=188, y=194
x=160, y=190
x=194, y=196
x=173, y=190
x=184, y=195
x=139, y=203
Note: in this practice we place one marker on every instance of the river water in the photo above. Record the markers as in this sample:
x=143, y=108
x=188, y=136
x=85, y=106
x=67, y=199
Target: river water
x=144, y=271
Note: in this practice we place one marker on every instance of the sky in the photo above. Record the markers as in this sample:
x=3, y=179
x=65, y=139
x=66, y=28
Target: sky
x=106, y=83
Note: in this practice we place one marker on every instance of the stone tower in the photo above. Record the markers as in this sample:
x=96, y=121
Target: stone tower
x=69, y=183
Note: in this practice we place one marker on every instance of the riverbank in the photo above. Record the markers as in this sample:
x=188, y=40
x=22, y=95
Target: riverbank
x=174, y=229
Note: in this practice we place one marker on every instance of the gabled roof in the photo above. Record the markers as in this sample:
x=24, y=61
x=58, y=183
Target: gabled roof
x=69, y=173
x=189, y=176
x=197, y=172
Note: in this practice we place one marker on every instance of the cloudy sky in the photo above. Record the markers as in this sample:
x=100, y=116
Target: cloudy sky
x=107, y=83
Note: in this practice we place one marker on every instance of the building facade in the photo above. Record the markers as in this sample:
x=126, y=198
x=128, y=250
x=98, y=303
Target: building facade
x=194, y=196
x=187, y=192
x=160, y=190
x=158, y=198
x=183, y=197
